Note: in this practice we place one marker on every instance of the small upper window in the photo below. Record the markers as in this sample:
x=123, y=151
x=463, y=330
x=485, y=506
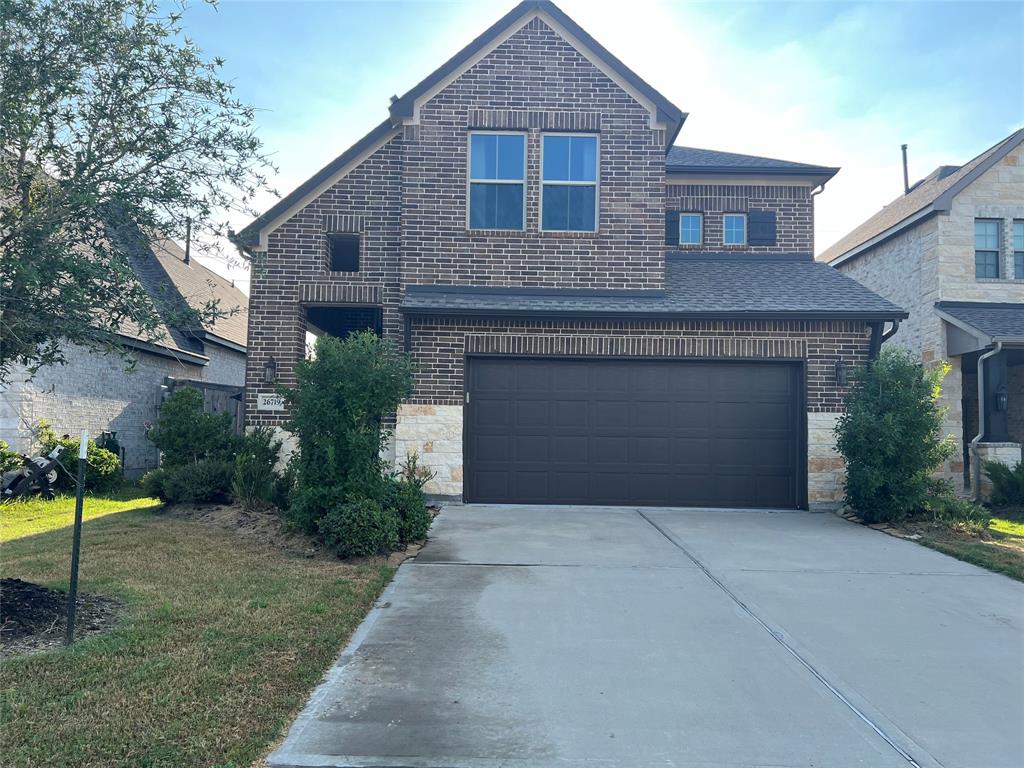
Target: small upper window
x=691, y=229
x=986, y=248
x=343, y=250
x=569, y=183
x=497, y=165
x=1018, y=250
x=735, y=229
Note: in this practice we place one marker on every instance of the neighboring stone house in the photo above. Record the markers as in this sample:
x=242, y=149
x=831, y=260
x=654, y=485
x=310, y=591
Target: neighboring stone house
x=95, y=392
x=951, y=251
x=596, y=315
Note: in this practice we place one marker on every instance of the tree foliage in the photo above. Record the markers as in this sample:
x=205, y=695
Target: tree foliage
x=113, y=125
x=338, y=407
x=891, y=436
x=185, y=435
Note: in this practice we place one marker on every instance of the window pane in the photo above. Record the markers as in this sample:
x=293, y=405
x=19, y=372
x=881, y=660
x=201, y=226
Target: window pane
x=689, y=229
x=986, y=235
x=583, y=158
x=1018, y=235
x=986, y=264
x=556, y=158
x=495, y=206
x=483, y=151
x=556, y=207
x=581, y=208
x=735, y=230
x=510, y=157
x=1018, y=265
x=509, y=206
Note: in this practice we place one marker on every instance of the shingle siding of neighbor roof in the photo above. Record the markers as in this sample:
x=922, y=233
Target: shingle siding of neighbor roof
x=691, y=159
x=696, y=284
x=997, y=321
x=925, y=198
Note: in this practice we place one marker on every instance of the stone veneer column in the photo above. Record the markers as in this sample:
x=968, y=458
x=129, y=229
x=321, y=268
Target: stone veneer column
x=825, y=467
x=434, y=433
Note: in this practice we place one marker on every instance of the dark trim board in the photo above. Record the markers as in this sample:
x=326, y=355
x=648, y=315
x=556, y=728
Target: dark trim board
x=518, y=466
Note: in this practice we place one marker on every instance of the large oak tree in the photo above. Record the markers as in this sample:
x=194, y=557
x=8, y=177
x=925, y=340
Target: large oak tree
x=111, y=121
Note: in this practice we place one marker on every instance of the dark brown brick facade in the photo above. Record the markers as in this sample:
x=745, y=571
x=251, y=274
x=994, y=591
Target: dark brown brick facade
x=440, y=346
x=535, y=81
x=408, y=203
x=793, y=207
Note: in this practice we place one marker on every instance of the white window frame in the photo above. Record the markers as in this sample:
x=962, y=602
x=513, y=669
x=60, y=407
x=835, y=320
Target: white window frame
x=746, y=229
x=470, y=180
x=596, y=183
x=700, y=227
x=1017, y=274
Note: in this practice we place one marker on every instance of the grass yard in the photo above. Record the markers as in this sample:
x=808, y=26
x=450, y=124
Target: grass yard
x=222, y=639
x=24, y=518
x=999, y=548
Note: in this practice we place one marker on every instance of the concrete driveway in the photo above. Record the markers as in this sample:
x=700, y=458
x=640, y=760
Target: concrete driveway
x=555, y=636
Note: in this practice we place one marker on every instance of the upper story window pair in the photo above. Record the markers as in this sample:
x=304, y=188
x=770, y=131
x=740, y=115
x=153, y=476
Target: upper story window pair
x=691, y=229
x=988, y=250
x=568, y=188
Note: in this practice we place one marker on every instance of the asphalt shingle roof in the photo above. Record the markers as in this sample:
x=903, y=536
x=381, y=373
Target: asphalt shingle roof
x=693, y=160
x=706, y=284
x=996, y=321
x=935, y=191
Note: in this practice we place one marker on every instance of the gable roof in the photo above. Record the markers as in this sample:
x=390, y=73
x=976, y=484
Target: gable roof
x=159, y=266
x=693, y=160
x=404, y=108
x=698, y=285
x=932, y=195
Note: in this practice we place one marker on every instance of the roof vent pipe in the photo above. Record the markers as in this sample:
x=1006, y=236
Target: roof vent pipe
x=188, y=239
x=906, y=176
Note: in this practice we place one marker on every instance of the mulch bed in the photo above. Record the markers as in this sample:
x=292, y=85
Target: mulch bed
x=33, y=617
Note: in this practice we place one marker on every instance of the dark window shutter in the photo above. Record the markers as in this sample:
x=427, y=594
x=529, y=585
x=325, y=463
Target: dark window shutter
x=761, y=226
x=671, y=227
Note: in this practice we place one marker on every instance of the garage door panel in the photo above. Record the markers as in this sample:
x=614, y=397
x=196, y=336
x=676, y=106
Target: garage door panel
x=691, y=433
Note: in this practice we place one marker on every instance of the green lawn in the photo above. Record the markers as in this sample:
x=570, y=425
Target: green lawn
x=999, y=548
x=25, y=518
x=221, y=642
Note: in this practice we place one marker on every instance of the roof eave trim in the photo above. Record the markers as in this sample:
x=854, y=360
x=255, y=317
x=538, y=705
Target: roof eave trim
x=212, y=338
x=646, y=315
x=891, y=232
x=697, y=170
x=163, y=351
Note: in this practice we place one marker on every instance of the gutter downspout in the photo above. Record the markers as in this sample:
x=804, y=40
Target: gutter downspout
x=975, y=459
x=892, y=331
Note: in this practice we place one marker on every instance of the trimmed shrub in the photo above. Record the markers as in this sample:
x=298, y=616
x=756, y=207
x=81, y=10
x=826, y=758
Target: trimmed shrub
x=184, y=434
x=284, y=487
x=307, y=505
x=152, y=483
x=407, y=502
x=102, y=467
x=343, y=396
x=891, y=436
x=412, y=472
x=359, y=528
x=206, y=480
x=1007, y=483
x=253, y=481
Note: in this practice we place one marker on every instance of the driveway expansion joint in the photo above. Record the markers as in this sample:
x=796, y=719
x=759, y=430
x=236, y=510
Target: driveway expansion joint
x=778, y=637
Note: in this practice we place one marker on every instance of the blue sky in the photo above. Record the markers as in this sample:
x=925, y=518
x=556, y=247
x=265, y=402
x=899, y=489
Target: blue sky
x=831, y=83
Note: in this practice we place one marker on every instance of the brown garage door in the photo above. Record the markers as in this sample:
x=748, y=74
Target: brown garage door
x=646, y=432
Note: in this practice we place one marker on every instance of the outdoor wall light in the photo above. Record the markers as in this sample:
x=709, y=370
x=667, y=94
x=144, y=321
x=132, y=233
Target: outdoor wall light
x=1002, y=398
x=270, y=371
x=842, y=374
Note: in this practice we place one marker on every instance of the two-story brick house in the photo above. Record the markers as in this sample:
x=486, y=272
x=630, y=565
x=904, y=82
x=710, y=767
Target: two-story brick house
x=597, y=316
x=951, y=251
